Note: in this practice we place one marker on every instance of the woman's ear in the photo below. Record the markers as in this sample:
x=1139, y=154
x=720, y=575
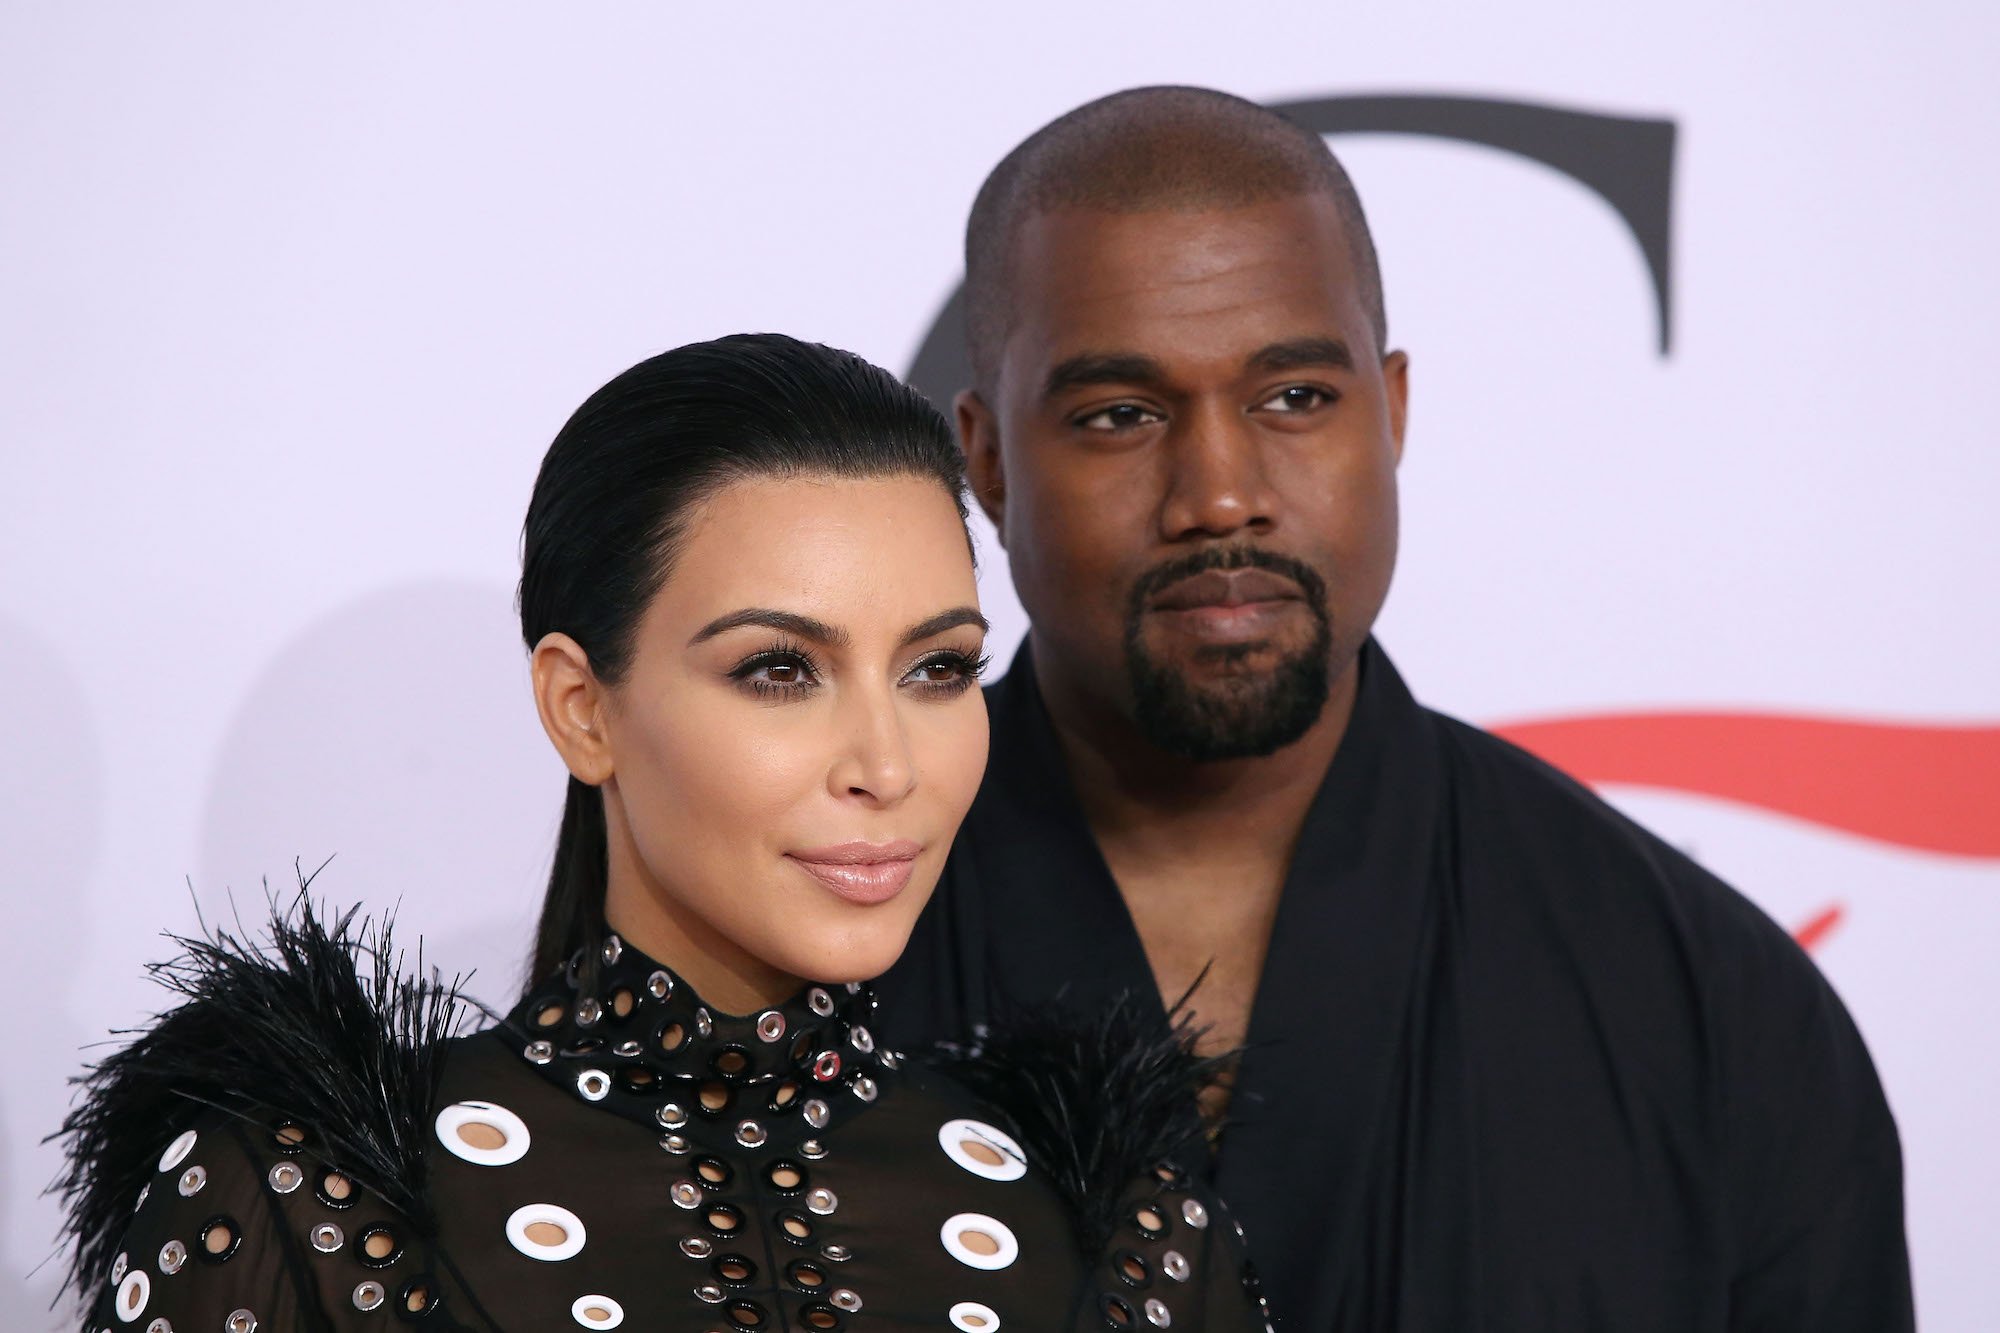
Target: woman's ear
x=573, y=707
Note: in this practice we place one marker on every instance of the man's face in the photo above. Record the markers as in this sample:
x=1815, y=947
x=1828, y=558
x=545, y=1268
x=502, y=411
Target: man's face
x=1190, y=453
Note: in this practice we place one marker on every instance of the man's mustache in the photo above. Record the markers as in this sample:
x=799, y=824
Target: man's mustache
x=1169, y=572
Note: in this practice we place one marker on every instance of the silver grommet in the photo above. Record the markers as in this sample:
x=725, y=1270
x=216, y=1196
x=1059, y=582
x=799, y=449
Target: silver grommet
x=593, y=1084
x=838, y=1254
x=674, y=1143
x=694, y=1247
x=240, y=1321
x=709, y=1292
x=613, y=948
x=1175, y=1265
x=751, y=1134
x=703, y=1024
x=686, y=1193
x=172, y=1255
x=845, y=1299
x=628, y=1047
x=821, y=1002
x=327, y=1238
x=286, y=1177
x=1157, y=1313
x=368, y=1296
x=118, y=1267
x=539, y=1052
x=770, y=1025
x=1194, y=1213
x=660, y=985
x=588, y=1011
x=816, y=1113
x=144, y=1190
x=192, y=1180
x=864, y=1088
x=822, y=1201
x=812, y=1150
x=891, y=1060
x=160, y=1325
x=861, y=1038
x=854, y=988
x=671, y=1115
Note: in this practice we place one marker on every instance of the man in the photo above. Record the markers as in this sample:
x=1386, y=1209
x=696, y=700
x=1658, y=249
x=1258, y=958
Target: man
x=1510, y=1061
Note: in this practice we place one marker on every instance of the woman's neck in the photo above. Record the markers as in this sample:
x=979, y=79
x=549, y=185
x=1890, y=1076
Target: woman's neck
x=728, y=978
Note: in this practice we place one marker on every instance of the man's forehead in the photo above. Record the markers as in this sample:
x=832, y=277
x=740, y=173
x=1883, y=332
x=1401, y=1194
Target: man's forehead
x=1199, y=284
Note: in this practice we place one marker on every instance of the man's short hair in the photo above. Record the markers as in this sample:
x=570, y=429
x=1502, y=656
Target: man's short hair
x=1142, y=150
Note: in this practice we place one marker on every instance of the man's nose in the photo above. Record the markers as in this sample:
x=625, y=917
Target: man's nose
x=1217, y=482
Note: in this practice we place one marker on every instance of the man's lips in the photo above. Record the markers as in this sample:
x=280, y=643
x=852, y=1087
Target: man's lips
x=861, y=872
x=1227, y=587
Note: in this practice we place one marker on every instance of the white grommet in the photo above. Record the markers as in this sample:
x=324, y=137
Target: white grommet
x=979, y=1241
x=545, y=1213
x=133, y=1293
x=970, y=1143
x=513, y=1132
x=597, y=1312
x=972, y=1317
x=177, y=1151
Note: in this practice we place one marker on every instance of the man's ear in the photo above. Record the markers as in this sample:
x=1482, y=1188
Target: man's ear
x=573, y=707
x=1396, y=384
x=979, y=436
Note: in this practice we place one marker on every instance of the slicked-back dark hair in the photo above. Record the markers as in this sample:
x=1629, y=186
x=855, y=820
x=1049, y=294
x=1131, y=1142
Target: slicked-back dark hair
x=617, y=489
x=1146, y=150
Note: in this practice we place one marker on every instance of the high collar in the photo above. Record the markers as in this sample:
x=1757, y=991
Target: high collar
x=620, y=1030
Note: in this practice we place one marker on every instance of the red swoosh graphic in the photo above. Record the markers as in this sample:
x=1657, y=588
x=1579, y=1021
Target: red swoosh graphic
x=1932, y=788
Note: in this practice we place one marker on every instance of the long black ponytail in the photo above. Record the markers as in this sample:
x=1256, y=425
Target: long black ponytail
x=612, y=502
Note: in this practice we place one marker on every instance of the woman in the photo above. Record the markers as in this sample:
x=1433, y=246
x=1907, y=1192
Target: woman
x=748, y=592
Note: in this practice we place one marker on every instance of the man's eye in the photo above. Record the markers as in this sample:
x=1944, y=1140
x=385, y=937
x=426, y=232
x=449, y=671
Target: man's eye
x=1119, y=416
x=1296, y=398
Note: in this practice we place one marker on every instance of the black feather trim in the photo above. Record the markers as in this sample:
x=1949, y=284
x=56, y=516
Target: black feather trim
x=1099, y=1099
x=316, y=1025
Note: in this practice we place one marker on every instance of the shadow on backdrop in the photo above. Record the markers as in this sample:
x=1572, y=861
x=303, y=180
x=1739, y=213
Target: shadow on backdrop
x=51, y=820
x=396, y=735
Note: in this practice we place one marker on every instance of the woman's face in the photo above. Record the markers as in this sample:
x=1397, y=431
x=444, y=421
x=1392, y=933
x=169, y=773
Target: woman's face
x=798, y=736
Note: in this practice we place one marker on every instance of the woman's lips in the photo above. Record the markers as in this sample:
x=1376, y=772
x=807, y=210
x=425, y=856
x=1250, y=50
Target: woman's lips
x=861, y=872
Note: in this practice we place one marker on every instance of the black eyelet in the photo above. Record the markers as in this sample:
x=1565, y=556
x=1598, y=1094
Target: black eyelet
x=784, y=1169
x=1161, y=1224
x=290, y=1138
x=208, y=1230
x=388, y=1258
x=584, y=1046
x=1132, y=1269
x=326, y=1183
x=713, y=1172
x=820, y=1316
x=734, y=1270
x=419, y=1297
x=1117, y=1314
x=746, y=1314
x=807, y=1277
x=732, y=1063
x=637, y=1078
x=722, y=1219
x=1170, y=1175
x=795, y=1227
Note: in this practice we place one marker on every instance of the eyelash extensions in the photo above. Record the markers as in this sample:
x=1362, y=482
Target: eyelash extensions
x=788, y=655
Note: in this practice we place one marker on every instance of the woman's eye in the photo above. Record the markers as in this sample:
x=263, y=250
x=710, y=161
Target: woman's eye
x=948, y=671
x=775, y=672
x=1296, y=398
x=1119, y=416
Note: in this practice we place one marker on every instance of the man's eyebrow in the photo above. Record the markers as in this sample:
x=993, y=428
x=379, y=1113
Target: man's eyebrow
x=788, y=621
x=1302, y=354
x=1102, y=368
x=944, y=620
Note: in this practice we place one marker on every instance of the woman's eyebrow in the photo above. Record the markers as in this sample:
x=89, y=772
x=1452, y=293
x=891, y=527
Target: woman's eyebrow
x=790, y=622
x=944, y=620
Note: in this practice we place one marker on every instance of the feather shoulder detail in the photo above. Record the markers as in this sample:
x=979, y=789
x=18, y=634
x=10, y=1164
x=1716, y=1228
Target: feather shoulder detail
x=314, y=1023
x=1099, y=1099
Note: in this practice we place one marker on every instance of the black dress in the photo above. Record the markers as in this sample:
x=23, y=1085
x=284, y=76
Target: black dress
x=613, y=1154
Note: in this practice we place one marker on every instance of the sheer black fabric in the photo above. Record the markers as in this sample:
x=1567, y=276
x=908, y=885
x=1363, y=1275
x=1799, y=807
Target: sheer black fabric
x=617, y=1155
x=1513, y=1063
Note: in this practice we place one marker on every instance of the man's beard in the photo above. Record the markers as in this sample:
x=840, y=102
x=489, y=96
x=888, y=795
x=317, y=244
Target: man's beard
x=1239, y=717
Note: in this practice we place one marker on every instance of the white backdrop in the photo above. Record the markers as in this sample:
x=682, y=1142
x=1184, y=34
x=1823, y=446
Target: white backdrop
x=291, y=305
